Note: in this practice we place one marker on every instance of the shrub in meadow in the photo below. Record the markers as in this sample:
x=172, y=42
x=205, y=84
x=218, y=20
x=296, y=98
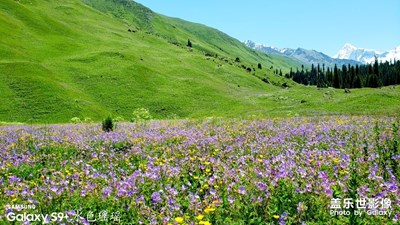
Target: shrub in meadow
x=76, y=120
x=108, y=124
x=140, y=115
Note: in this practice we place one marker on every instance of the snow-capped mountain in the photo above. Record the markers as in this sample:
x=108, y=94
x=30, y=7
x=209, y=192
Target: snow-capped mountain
x=305, y=56
x=392, y=54
x=366, y=55
x=262, y=47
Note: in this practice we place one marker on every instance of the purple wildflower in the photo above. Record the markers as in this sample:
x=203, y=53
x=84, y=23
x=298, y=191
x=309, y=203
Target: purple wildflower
x=261, y=186
x=140, y=199
x=283, y=218
x=156, y=197
x=242, y=190
x=14, y=179
x=300, y=207
x=83, y=193
x=106, y=192
x=213, y=192
x=47, y=220
x=84, y=221
x=396, y=217
x=231, y=200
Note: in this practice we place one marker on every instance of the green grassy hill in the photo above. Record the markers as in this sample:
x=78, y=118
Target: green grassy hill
x=64, y=59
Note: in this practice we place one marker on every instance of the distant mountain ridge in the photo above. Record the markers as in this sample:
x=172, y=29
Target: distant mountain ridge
x=305, y=56
x=351, y=52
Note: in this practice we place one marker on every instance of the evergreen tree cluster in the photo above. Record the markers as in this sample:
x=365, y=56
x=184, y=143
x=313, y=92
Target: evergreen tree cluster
x=349, y=76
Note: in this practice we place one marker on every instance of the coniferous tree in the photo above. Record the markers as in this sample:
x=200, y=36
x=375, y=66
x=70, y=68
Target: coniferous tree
x=344, y=77
x=370, y=75
x=356, y=82
x=373, y=81
x=357, y=70
x=369, y=69
x=329, y=77
x=336, y=80
x=376, y=66
x=352, y=76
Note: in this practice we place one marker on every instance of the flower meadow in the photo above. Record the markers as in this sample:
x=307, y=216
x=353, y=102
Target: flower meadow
x=215, y=171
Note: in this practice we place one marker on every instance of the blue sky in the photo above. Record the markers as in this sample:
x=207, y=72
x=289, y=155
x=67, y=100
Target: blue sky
x=323, y=25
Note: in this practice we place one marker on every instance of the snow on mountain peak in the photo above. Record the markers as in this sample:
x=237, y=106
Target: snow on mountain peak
x=345, y=52
x=300, y=54
x=349, y=46
x=349, y=51
x=262, y=47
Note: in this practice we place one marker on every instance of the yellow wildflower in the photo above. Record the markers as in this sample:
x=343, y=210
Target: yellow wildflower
x=276, y=216
x=209, y=210
x=200, y=217
x=179, y=219
x=204, y=223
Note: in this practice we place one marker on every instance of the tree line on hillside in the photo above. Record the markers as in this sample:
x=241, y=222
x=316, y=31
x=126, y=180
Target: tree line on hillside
x=349, y=76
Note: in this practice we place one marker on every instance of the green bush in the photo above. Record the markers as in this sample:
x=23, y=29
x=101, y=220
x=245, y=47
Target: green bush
x=108, y=124
x=140, y=115
x=76, y=120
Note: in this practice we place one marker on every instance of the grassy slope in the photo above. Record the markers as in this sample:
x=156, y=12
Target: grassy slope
x=61, y=59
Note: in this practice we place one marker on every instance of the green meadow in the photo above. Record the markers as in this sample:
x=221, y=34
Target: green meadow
x=65, y=59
